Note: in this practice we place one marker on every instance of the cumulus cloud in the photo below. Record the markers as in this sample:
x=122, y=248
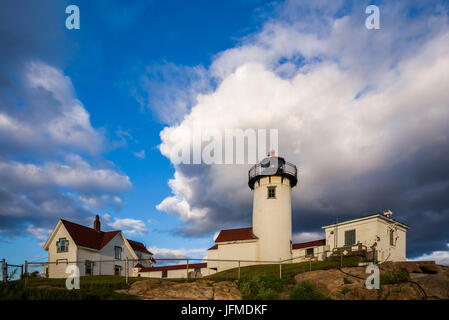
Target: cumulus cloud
x=129, y=226
x=362, y=114
x=40, y=234
x=440, y=257
x=53, y=118
x=307, y=236
x=51, y=163
x=167, y=253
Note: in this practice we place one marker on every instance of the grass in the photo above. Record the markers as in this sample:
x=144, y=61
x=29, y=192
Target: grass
x=305, y=290
x=260, y=287
x=91, y=288
x=263, y=281
x=394, y=277
x=288, y=269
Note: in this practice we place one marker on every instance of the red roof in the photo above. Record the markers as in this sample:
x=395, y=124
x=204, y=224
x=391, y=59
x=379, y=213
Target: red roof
x=174, y=267
x=89, y=238
x=215, y=247
x=235, y=234
x=138, y=246
x=309, y=244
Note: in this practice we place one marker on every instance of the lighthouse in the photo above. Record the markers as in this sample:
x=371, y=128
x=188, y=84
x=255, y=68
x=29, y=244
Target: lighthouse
x=272, y=181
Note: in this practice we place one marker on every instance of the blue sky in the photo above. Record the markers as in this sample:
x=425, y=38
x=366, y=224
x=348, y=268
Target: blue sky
x=137, y=67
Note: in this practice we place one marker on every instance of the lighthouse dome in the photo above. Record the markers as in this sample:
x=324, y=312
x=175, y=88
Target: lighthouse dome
x=273, y=166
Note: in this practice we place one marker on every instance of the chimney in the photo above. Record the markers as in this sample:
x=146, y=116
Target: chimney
x=97, y=224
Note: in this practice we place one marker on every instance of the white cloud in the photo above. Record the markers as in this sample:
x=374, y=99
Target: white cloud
x=48, y=148
x=76, y=174
x=129, y=226
x=166, y=253
x=54, y=119
x=307, y=236
x=140, y=154
x=40, y=234
x=363, y=116
x=440, y=257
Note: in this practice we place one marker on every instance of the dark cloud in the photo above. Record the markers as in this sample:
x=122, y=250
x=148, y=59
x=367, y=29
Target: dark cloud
x=47, y=143
x=363, y=115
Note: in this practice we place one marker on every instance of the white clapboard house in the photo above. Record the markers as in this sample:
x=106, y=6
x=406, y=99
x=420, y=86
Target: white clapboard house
x=95, y=252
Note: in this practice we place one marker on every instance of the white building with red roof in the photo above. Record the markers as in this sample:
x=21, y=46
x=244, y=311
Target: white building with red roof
x=270, y=238
x=95, y=252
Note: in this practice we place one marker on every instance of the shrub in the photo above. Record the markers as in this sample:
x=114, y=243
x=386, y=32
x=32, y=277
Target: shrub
x=15, y=290
x=305, y=290
x=261, y=287
x=393, y=277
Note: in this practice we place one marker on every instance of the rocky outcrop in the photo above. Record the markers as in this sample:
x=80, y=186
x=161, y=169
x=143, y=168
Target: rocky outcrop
x=156, y=289
x=427, y=281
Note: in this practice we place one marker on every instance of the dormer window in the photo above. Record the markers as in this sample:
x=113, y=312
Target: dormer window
x=118, y=253
x=62, y=245
x=271, y=192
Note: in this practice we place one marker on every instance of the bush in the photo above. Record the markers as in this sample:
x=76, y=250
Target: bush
x=393, y=277
x=305, y=290
x=261, y=287
x=15, y=290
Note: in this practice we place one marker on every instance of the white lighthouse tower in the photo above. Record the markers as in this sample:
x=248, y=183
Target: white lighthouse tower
x=272, y=181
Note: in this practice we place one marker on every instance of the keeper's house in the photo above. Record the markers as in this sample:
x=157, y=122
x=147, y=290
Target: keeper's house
x=95, y=252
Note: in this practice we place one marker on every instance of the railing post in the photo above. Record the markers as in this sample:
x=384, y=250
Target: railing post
x=239, y=269
x=26, y=273
x=187, y=270
x=280, y=268
x=3, y=270
x=127, y=270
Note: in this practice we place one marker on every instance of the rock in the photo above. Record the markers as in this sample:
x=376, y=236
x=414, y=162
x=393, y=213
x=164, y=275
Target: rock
x=409, y=266
x=332, y=282
x=436, y=286
x=226, y=290
x=430, y=268
x=156, y=289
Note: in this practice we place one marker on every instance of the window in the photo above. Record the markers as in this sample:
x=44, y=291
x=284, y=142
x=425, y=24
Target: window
x=118, y=253
x=271, y=192
x=309, y=252
x=391, y=237
x=62, y=245
x=89, y=267
x=117, y=270
x=197, y=270
x=164, y=273
x=349, y=237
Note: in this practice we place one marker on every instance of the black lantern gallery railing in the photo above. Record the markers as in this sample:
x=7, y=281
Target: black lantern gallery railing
x=273, y=166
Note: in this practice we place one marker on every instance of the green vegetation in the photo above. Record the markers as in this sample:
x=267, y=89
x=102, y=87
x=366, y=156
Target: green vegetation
x=305, y=290
x=261, y=287
x=394, y=277
x=91, y=288
x=288, y=269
